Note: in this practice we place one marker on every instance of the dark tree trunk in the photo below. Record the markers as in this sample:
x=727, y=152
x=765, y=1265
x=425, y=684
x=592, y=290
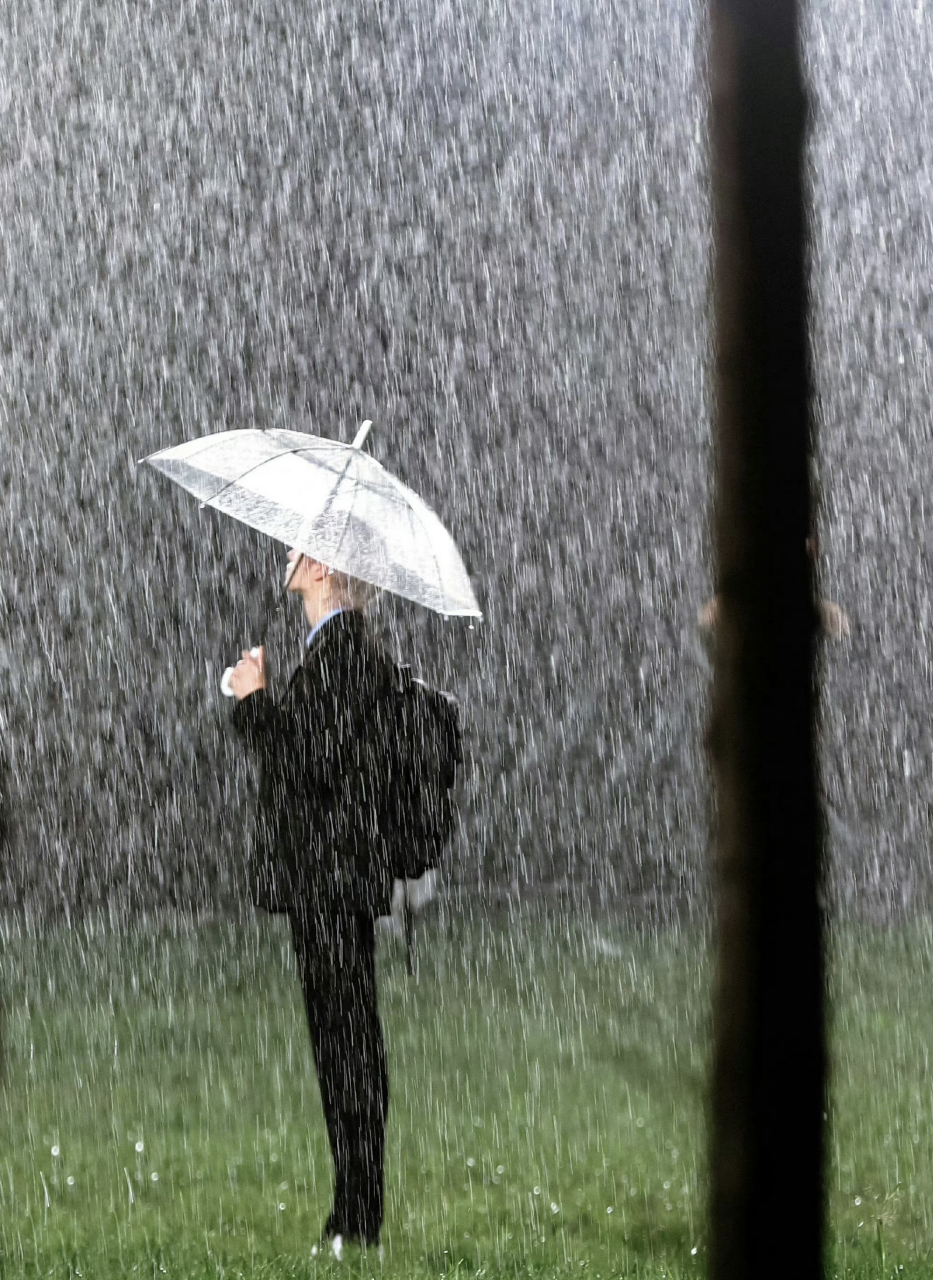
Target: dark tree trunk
x=768, y=1085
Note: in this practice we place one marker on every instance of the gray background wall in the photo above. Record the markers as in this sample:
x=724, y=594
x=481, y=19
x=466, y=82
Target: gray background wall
x=485, y=228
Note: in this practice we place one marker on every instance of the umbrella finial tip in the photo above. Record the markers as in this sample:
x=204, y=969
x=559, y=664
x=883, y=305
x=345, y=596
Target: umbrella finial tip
x=361, y=434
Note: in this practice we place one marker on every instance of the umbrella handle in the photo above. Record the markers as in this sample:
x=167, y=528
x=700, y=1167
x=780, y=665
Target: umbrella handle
x=271, y=614
x=279, y=602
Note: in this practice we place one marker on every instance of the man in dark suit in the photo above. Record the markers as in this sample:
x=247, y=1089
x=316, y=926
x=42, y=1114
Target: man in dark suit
x=324, y=753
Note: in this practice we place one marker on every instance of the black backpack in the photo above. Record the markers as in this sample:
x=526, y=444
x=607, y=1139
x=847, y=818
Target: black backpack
x=418, y=817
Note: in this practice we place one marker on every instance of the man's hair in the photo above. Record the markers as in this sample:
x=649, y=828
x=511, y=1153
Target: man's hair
x=354, y=591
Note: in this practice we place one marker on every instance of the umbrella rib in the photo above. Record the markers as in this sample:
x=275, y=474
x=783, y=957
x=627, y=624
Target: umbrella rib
x=346, y=523
x=285, y=452
x=430, y=542
x=383, y=483
x=330, y=498
x=249, y=470
x=337, y=484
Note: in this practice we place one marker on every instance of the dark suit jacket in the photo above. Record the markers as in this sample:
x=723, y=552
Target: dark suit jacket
x=324, y=754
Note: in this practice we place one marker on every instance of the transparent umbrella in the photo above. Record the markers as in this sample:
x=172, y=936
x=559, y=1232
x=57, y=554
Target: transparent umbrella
x=332, y=502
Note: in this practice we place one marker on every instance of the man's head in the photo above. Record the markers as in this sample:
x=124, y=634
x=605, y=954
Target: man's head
x=323, y=589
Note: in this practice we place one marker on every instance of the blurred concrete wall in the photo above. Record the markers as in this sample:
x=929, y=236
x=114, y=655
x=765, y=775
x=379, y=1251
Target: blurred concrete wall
x=482, y=227
x=485, y=228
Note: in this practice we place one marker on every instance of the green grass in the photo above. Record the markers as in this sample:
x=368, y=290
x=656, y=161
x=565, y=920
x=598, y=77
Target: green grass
x=881, y=1114
x=541, y=1077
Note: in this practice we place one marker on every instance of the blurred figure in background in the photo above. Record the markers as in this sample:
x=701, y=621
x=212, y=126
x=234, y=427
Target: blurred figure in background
x=834, y=621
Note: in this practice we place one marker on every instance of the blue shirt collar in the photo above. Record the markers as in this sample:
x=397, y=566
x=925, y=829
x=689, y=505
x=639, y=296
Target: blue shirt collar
x=316, y=628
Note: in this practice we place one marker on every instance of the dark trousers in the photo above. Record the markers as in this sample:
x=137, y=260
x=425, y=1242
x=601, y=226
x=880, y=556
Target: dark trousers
x=336, y=952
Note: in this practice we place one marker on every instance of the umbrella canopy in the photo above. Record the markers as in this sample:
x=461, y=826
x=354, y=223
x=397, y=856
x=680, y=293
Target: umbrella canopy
x=331, y=501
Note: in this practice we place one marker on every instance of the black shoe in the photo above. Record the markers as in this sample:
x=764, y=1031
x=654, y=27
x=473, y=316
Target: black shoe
x=335, y=1243
x=337, y=1225
x=334, y=1226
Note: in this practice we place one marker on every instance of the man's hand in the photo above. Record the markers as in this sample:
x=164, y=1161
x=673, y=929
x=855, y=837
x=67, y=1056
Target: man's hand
x=249, y=674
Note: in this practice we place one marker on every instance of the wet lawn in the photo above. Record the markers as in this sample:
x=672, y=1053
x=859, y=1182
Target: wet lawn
x=160, y=1115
